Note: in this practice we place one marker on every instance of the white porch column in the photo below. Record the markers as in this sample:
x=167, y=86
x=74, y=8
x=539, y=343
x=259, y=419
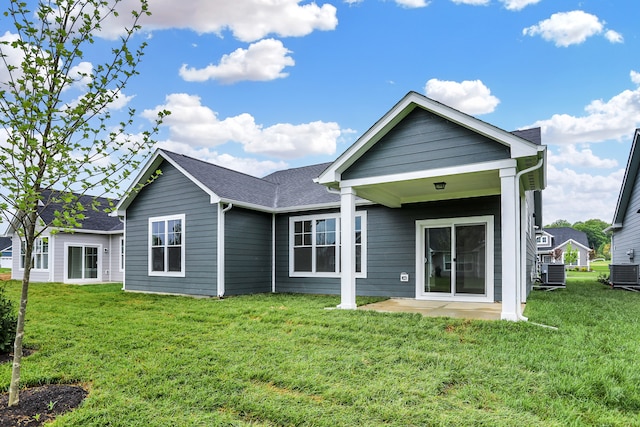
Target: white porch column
x=510, y=234
x=348, y=253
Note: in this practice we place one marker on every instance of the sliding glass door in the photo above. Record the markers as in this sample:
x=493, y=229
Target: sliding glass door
x=455, y=258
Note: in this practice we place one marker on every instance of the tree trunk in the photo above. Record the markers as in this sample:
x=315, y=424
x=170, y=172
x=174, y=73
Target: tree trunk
x=14, y=397
x=29, y=242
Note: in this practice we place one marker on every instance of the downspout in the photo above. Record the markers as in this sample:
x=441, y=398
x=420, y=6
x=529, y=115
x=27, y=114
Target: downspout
x=273, y=253
x=519, y=314
x=124, y=255
x=221, y=254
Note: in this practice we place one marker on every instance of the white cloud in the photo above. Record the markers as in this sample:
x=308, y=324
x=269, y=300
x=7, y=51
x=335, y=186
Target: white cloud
x=81, y=74
x=584, y=158
x=567, y=28
x=613, y=36
x=249, y=166
x=12, y=57
x=472, y=2
x=262, y=61
x=196, y=125
x=613, y=119
x=412, y=4
x=248, y=20
x=469, y=96
x=579, y=196
x=518, y=4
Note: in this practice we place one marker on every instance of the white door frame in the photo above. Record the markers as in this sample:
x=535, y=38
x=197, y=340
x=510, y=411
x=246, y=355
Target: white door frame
x=66, y=262
x=421, y=225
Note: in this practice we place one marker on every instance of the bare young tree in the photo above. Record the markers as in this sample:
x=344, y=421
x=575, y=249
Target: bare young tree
x=52, y=141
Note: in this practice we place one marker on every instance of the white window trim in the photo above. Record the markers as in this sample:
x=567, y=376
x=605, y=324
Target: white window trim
x=34, y=268
x=66, y=278
x=121, y=254
x=363, y=245
x=166, y=218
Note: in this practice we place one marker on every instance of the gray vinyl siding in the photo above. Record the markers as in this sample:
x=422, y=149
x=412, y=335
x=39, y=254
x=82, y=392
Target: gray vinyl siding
x=173, y=194
x=391, y=246
x=423, y=141
x=247, y=252
x=302, y=285
x=531, y=246
x=62, y=241
x=629, y=236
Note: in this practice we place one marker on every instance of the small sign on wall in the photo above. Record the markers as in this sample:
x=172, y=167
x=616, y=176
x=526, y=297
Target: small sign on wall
x=404, y=277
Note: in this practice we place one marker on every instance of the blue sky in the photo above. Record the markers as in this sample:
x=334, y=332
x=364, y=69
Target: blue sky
x=258, y=85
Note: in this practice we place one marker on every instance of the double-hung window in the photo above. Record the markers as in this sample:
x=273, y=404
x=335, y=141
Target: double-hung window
x=167, y=246
x=40, y=255
x=315, y=245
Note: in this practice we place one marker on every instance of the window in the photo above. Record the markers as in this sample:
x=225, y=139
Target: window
x=166, y=246
x=40, y=256
x=315, y=245
x=82, y=262
x=542, y=240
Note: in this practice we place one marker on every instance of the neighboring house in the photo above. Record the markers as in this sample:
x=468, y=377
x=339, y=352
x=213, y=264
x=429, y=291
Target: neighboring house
x=429, y=203
x=625, y=228
x=92, y=253
x=5, y=252
x=553, y=242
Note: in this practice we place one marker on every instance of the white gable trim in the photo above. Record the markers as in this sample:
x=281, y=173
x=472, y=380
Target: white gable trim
x=149, y=169
x=519, y=146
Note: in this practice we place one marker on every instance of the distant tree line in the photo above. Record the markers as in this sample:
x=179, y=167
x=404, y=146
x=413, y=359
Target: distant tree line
x=599, y=241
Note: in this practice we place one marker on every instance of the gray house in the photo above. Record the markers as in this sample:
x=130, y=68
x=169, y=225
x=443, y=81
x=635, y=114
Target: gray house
x=429, y=203
x=92, y=253
x=625, y=228
x=554, y=242
x=5, y=252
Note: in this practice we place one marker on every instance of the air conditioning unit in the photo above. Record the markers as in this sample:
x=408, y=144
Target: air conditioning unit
x=623, y=274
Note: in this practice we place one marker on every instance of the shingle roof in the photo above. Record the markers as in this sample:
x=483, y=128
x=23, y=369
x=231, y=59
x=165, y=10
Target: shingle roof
x=296, y=187
x=563, y=234
x=281, y=189
x=532, y=135
x=227, y=183
x=5, y=242
x=95, y=220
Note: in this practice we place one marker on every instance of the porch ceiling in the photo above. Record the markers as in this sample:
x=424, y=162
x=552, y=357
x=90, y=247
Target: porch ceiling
x=394, y=194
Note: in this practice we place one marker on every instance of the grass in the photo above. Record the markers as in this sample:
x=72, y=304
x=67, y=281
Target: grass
x=597, y=268
x=271, y=360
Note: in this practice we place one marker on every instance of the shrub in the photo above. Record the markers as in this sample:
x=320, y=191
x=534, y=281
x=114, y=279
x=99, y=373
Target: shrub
x=603, y=278
x=8, y=322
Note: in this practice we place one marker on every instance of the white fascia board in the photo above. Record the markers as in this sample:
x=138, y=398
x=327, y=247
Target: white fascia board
x=124, y=203
x=148, y=170
x=430, y=173
x=84, y=231
x=288, y=209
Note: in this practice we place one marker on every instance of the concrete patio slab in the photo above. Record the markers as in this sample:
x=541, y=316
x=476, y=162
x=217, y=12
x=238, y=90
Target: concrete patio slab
x=461, y=310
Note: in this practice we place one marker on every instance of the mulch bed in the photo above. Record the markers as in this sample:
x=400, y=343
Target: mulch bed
x=38, y=405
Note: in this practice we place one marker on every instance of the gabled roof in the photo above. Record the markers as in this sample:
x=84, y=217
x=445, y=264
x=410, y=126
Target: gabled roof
x=519, y=142
x=95, y=220
x=282, y=190
x=628, y=183
x=562, y=235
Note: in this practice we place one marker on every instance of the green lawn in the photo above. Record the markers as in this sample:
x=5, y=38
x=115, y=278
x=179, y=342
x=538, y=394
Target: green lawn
x=270, y=360
x=597, y=268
